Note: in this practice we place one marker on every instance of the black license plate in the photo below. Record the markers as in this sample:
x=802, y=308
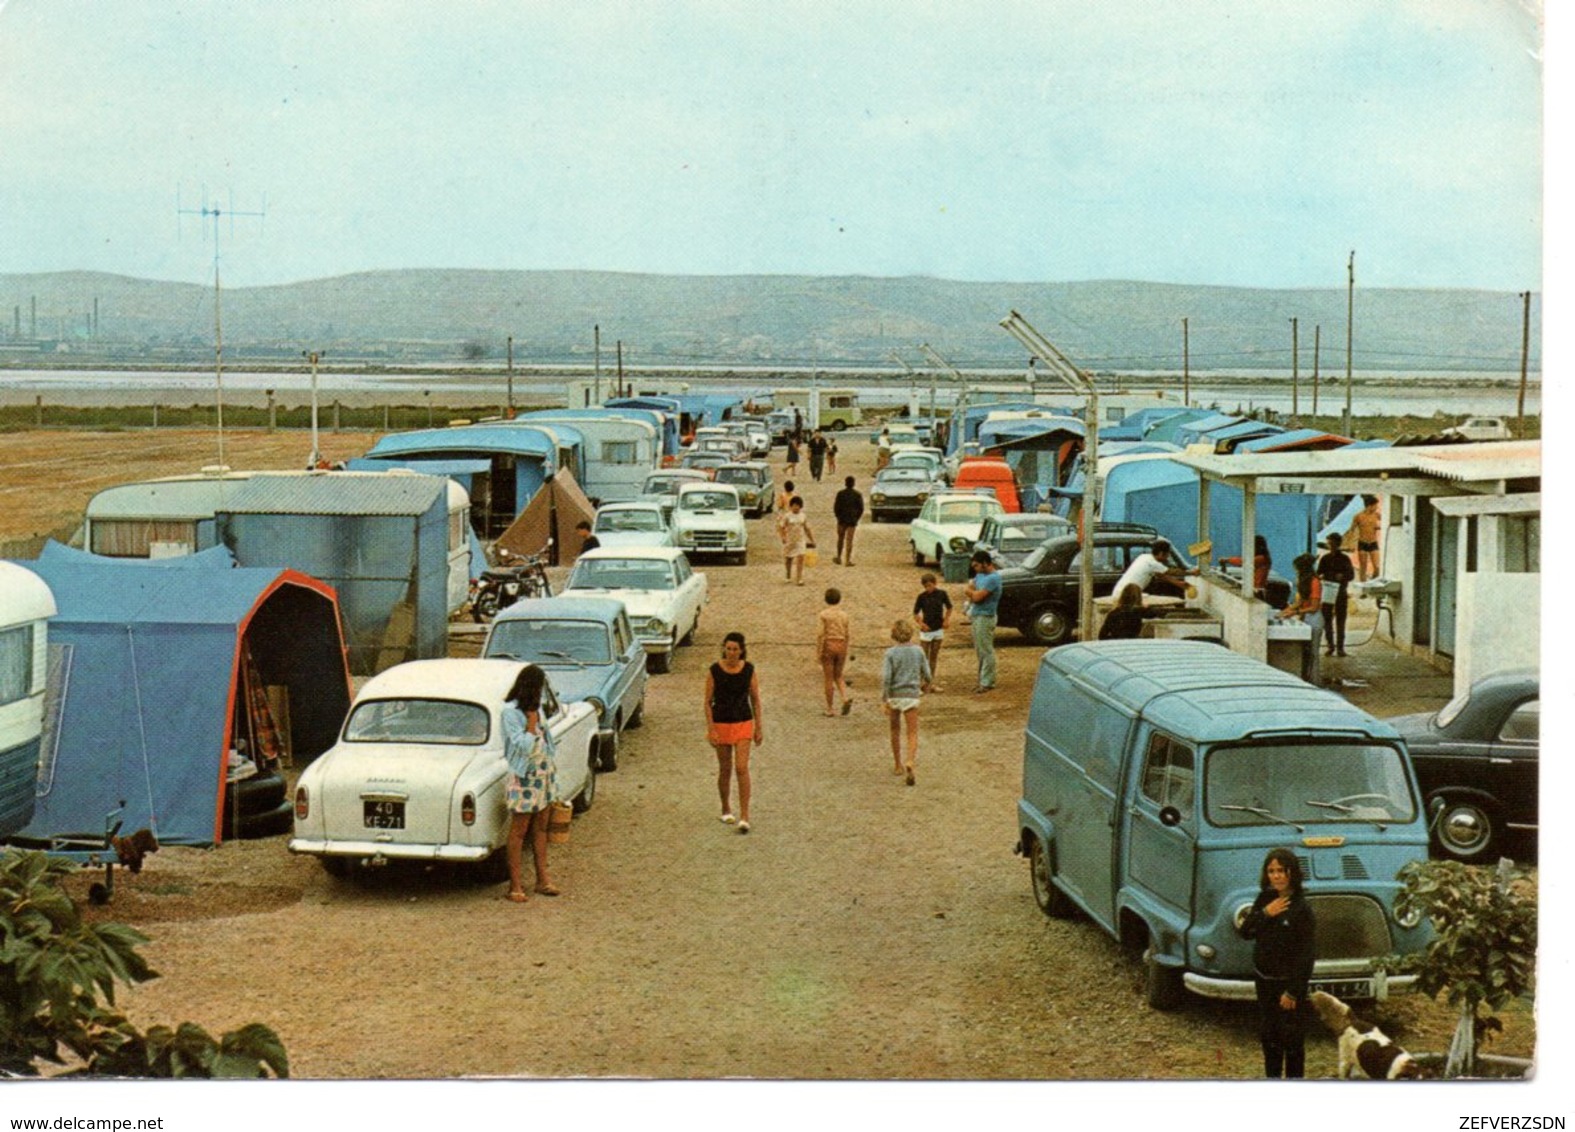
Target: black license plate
x=383, y=815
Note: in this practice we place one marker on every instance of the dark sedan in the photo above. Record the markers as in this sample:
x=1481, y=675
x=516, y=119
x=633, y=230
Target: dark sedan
x=1477, y=759
x=1040, y=598
x=1012, y=538
x=899, y=493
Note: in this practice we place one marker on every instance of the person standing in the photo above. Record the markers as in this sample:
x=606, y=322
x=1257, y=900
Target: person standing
x=1281, y=926
x=904, y=674
x=1365, y=527
x=883, y=452
x=780, y=508
x=1124, y=622
x=796, y=539
x=848, y=507
x=733, y=724
x=1336, y=573
x=984, y=598
x=817, y=454
x=532, y=784
x=1160, y=561
x=1309, y=607
x=588, y=541
x=833, y=638
x=792, y=456
x=932, y=613
x=831, y=456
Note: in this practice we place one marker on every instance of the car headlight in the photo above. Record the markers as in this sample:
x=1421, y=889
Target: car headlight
x=877, y=497
x=655, y=625
x=922, y=496
x=730, y=536
x=959, y=544
x=750, y=496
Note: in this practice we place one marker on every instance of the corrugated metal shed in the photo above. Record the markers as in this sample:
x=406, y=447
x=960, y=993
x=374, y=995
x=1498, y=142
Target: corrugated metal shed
x=337, y=493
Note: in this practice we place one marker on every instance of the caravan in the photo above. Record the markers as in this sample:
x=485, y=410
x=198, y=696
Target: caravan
x=26, y=604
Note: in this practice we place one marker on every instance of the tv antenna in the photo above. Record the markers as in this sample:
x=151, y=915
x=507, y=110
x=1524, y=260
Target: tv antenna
x=216, y=214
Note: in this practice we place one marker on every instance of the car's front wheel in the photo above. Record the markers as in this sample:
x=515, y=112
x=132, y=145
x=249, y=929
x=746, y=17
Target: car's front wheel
x=1467, y=829
x=606, y=759
x=918, y=556
x=1049, y=625
x=586, y=798
x=659, y=663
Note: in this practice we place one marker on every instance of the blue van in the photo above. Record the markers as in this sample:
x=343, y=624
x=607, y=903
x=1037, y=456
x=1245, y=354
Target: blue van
x=1157, y=775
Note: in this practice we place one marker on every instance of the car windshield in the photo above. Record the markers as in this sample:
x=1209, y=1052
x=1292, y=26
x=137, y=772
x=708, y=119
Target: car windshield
x=708, y=501
x=1451, y=711
x=550, y=643
x=735, y=475
x=621, y=574
x=418, y=721
x=1024, y=534
x=634, y=519
x=901, y=475
x=1307, y=783
x=968, y=511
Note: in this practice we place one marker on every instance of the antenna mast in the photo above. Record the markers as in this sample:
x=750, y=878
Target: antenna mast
x=215, y=212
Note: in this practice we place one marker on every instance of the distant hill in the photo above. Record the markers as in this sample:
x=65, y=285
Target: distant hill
x=442, y=315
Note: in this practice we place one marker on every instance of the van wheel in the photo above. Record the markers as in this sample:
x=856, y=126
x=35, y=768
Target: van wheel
x=838, y=426
x=1162, y=985
x=1049, y=625
x=1051, y=900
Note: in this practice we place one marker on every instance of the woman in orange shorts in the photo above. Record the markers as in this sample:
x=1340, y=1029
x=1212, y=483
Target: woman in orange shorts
x=733, y=724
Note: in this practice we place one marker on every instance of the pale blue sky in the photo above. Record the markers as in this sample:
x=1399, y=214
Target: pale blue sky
x=1221, y=143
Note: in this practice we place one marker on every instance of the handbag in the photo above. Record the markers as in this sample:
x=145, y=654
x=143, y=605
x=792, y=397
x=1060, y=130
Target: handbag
x=811, y=557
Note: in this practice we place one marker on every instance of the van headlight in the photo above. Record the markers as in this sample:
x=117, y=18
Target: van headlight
x=1407, y=918
x=1240, y=916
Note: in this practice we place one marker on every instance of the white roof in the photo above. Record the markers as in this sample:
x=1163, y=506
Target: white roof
x=1477, y=463
x=661, y=553
x=472, y=680
x=24, y=596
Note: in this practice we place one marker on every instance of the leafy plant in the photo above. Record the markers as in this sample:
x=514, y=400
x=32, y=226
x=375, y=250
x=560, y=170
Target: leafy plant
x=1485, y=949
x=58, y=976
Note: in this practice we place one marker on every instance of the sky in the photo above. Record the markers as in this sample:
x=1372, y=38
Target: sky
x=1195, y=141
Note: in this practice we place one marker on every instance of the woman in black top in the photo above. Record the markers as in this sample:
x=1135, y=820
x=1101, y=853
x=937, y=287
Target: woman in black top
x=1336, y=573
x=733, y=724
x=1281, y=927
x=1125, y=620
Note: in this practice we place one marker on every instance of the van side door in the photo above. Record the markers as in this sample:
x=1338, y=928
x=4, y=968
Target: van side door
x=1094, y=735
x=1159, y=855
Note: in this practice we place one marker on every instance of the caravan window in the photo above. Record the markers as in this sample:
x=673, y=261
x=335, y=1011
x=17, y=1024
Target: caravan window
x=418, y=721
x=132, y=538
x=620, y=452
x=16, y=663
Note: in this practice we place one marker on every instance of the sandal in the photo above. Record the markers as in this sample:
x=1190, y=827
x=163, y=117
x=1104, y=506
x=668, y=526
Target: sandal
x=743, y=827
x=728, y=819
x=547, y=889
x=847, y=706
x=518, y=897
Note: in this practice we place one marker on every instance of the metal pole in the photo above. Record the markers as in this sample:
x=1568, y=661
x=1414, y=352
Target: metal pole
x=1296, y=360
x=508, y=410
x=1317, y=348
x=597, y=387
x=1525, y=351
x=1186, y=365
x=317, y=455
x=1350, y=308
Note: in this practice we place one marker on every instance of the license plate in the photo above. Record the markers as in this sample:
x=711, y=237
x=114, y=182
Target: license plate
x=1346, y=988
x=383, y=815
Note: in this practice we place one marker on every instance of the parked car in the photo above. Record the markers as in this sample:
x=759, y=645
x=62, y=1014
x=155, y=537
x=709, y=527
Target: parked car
x=662, y=487
x=418, y=772
x=1012, y=538
x=637, y=523
x=1040, y=598
x=756, y=484
x=1480, y=428
x=898, y=434
x=590, y=652
x=1476, y=759
x=709, y=519
x=899, y=493
x=661, y=591
x=759, y=434
x=930, y=459
x=949, y=521
x=703, y=461
x=780, y=422
x=731, y=447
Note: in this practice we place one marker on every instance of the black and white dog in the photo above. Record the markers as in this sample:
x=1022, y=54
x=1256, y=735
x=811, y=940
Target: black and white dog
x=1363, y=1045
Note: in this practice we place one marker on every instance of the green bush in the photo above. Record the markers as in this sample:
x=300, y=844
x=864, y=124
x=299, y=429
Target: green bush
x=57, y=992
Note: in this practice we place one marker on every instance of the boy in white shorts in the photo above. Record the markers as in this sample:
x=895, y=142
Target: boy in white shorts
x=932, y=613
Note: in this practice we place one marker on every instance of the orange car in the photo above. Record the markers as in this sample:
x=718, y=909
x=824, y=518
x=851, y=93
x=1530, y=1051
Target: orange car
x=992, y=472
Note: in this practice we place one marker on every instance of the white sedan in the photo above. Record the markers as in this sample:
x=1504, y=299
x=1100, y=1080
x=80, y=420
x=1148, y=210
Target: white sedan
x=658, y=587
x=418, y=772
x=636, y=523
x=949, y=522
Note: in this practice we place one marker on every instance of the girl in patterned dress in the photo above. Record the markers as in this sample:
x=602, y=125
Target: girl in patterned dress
x=532, y=783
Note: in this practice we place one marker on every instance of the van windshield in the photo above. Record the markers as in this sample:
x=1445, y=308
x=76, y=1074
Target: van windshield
x=1307, y=783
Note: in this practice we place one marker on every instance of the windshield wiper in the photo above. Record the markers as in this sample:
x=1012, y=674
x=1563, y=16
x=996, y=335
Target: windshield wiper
x=1349, y=811
x=1262, y=813
x=563, y=656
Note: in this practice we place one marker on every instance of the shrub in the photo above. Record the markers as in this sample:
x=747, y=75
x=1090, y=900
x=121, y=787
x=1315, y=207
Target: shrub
x=57, y=992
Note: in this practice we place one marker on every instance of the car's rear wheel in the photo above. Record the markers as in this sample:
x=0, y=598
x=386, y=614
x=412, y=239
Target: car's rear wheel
x=918, y=558
x=1051, y=900
x=1468, y=829
x=1048, y=625
x=337, y=867
x=689, y=637
x=637, y=716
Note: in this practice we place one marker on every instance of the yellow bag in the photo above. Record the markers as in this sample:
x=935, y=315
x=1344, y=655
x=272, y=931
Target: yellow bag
x=811, y=558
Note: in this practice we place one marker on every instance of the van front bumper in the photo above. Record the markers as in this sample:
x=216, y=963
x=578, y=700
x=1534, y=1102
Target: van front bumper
x=1354, y=984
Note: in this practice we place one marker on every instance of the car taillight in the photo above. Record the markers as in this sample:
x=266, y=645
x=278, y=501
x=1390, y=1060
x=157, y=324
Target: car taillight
x=303, y=804
x=467, y=809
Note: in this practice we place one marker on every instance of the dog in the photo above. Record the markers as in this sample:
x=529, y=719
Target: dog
x=1362, y=1044
x=130, y=850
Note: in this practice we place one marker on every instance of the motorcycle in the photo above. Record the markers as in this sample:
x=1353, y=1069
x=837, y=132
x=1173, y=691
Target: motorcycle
x=513, y=578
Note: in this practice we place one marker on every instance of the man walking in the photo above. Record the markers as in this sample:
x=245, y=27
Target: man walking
x=817, y=454
x=1336, y=573
x=848, y=507
x=984, y=598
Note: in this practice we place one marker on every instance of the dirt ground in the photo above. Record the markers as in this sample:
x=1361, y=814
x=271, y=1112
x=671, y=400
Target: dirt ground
x=864, y=929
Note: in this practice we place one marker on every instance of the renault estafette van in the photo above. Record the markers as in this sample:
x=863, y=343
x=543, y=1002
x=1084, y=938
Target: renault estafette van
x=1157, y=775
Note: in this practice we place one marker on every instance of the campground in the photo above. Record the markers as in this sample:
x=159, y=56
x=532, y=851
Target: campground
x=863, y=930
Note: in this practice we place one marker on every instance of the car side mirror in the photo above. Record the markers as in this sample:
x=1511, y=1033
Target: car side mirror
x=1169, y=815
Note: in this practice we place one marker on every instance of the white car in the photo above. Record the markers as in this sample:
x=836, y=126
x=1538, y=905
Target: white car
x=709, y=519
x=759, y=435
x=658, y=587
x=418, y=772
x=637, y=523
x=949, y=522
x=1480, y=428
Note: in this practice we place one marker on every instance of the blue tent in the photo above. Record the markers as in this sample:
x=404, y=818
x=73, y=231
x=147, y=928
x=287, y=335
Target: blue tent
x=156, y=668
x=517, y=461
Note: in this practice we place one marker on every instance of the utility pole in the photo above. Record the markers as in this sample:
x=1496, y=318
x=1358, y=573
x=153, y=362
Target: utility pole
x=1317, y=342
x=312, y=356
x=1186, y=365
x=596, y=389
x=508, y=409
x=1296, y=357
x=1525, y=351
x=621, y=392
x=1350, y=308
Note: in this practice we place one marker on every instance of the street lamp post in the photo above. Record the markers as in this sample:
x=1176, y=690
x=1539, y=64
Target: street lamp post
x=1081, y=383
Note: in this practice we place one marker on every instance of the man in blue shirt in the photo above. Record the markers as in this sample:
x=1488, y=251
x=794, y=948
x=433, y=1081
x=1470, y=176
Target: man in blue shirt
x=984, y=597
